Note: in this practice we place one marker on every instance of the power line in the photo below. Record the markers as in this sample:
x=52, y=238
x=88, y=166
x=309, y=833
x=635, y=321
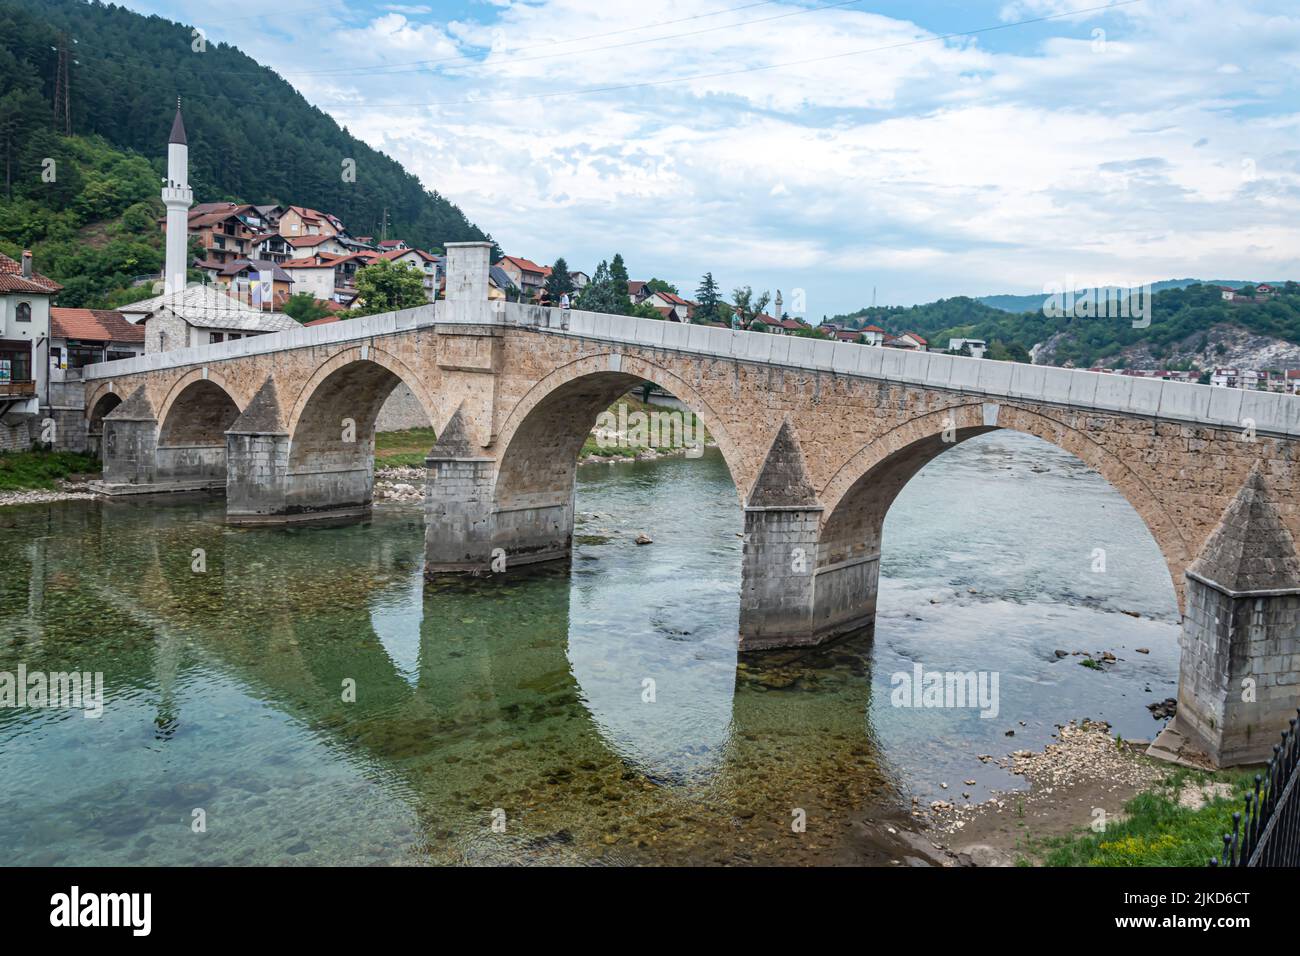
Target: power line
x=725, y=73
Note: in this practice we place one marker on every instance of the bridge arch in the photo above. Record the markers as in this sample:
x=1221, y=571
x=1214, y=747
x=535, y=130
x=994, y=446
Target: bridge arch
x=99, y=406
x=858, y=496
x=358, y=378
x=192, y=424
x=331, y=428
x=198, y=409
x=543, y=433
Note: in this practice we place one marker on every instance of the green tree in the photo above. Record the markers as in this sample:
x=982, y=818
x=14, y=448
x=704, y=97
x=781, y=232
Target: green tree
x=618, y=271
x=385, y=286
x=659, y=285
x=709, y=299
x=602, y=294
x=559, y=282
x=747, y=306
x=303, y=307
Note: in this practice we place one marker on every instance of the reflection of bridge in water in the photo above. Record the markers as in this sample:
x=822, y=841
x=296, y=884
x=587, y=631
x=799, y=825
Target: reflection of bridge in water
x=458, y=719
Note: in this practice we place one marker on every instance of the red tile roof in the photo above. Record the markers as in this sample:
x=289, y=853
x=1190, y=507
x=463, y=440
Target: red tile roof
x=525, y=265
x=297, y=241
x=94, y=325
x=13, y=280
x=398, y=253
x=874, y=328
x=329, y=263
x=325, y=320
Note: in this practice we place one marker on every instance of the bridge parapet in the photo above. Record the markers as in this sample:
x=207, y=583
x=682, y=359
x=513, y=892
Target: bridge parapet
x=1269, y=412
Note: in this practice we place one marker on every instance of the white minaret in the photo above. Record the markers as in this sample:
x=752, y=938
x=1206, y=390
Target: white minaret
x=177, y=197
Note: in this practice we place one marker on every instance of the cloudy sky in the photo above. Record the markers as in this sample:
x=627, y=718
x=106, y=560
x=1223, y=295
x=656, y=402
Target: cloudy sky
x=922, y=149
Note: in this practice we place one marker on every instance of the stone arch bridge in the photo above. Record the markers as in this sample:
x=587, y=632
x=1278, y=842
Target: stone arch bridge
x=819, y=437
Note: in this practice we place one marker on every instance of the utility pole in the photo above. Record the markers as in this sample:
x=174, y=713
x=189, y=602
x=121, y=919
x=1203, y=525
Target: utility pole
x=383, y=226
x=62, y=91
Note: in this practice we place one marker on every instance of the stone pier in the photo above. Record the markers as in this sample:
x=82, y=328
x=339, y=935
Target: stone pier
x=1239, y=666
x=457, y=505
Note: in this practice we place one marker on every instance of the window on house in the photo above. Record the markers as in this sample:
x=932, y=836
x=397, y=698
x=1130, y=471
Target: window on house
x=79, y=356
x=235, y=335
x=15, y=362
x=114, y=356
x=217, y=337
x=24, y=312
x=56, y=358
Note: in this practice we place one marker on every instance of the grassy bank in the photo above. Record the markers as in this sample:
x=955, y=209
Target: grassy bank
x=404, y=449
x=1158, y=829
x=666, y=434
x=28, y=470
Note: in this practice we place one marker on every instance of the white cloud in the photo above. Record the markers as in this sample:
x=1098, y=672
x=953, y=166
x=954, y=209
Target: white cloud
x=926, y=169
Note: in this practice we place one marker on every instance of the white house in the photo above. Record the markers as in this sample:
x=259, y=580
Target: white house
x=1226, y=378
x=200, y=315
x=873, y=335
x=24, y=346
x=672, y=305
x=911, y=341
x=426, y=262
x=976, y=347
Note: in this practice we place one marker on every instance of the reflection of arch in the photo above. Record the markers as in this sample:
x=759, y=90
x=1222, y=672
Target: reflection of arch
x=859, y=495
x=197, y=411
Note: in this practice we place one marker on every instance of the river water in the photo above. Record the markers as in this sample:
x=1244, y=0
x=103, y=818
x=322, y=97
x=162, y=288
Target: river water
x=307, y=699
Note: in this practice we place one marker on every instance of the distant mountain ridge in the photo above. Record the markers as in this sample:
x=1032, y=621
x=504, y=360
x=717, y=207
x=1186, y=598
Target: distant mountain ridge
x=1188, y=325
x=1032, y=303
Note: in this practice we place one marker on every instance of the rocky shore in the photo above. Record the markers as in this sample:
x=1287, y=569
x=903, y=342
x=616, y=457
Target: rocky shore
x=1086, y=772
x=67, y=491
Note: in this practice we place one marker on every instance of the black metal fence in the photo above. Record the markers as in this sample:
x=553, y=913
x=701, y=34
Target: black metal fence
x=1270, y=833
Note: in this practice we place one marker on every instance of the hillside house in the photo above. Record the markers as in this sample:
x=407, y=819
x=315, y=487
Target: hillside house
x=425, y=262
x=873, y=335
x=24, y=345
x=225, y=230
x=299, y=221
x=258, y=282
x=670, y=305
x=199, y=315
x=975, y=348
x=316, y=244
x=527, y=276
x=910, y=341
x=81, y=337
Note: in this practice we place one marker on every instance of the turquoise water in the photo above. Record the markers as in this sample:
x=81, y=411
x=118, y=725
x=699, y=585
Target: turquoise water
x=592, y=714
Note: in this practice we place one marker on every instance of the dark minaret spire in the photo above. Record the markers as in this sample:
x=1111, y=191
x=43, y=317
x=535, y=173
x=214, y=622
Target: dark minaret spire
x=178, y=127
